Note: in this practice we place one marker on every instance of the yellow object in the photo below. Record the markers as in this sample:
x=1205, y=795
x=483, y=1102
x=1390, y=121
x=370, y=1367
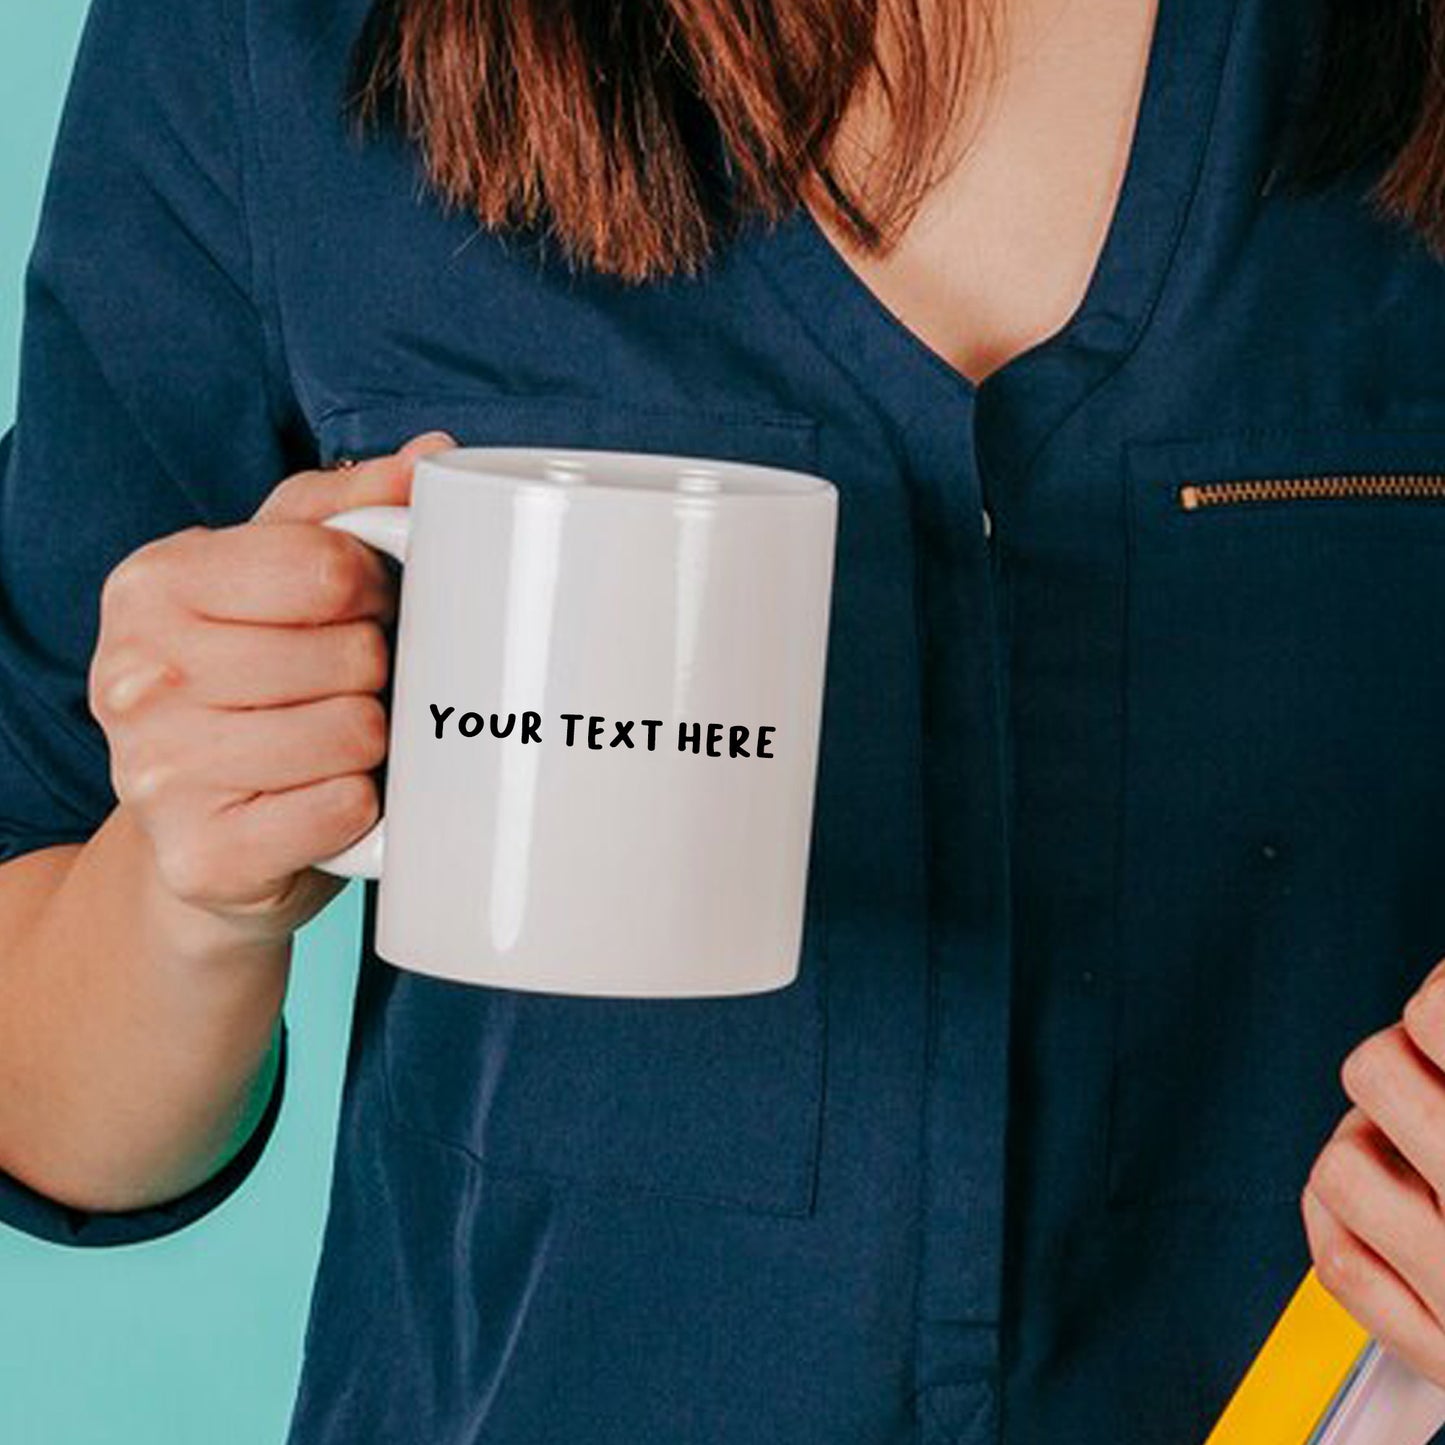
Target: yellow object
x=1295, y=1378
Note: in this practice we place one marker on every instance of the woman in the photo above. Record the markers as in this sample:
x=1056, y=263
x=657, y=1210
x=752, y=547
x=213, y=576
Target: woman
x=1121, y=342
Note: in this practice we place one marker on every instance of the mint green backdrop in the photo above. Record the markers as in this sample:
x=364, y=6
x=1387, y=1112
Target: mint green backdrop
x=196, y=1339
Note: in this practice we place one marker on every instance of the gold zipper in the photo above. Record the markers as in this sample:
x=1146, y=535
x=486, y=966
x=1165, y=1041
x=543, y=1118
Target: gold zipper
x=1365, y=486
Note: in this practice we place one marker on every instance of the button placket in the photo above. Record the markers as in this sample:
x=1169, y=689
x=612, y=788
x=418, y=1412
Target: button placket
x=966, y=1100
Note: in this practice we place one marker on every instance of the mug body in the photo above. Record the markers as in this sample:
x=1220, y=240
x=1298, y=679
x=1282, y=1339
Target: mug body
x=605, y=717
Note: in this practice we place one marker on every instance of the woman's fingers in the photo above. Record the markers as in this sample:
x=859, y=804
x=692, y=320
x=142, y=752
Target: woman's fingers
x=260, y=751
x=1403, y=1094
x=235, y=676
x=1380, y=1198
x=241, y=665
x=291, y=573
x=293, y=828
x=376, y=482
x=277, y=835
x=1373, y=1207
x=1424, y=1018
x=1372, y=1292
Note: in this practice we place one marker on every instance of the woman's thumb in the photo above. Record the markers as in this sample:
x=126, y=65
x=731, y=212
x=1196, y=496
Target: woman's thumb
x=376, y=482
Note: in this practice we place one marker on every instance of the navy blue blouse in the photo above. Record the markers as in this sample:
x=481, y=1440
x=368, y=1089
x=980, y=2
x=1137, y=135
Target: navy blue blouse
x=1130, y=812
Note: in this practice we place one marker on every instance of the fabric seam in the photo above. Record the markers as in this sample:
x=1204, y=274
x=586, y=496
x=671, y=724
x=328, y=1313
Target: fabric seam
x=260, y=242
x=1144, y=324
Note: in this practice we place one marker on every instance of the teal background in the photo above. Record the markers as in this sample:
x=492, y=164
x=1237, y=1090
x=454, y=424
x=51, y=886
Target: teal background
x=195, y=1339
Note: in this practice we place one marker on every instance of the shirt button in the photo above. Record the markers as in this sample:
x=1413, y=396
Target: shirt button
x=987, y=525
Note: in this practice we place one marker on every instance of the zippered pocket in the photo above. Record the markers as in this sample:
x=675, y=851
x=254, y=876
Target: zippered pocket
x=1196, y=496
x=1282, y=796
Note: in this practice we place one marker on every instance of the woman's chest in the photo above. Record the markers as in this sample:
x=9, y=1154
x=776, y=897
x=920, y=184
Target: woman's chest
x=1243, y=337
x=1186, y=753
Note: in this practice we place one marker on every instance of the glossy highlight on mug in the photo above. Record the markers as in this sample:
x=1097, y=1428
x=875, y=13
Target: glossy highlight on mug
x=655, y=841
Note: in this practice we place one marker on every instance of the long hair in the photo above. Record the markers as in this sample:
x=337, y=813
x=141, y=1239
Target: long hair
x=637, y=134
x=1375, y=102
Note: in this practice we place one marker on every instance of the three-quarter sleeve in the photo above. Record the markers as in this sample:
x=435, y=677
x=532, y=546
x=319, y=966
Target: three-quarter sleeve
x=44, y=1218
x=152, y=397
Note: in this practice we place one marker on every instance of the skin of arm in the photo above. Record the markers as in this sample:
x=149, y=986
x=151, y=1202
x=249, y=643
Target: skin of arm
x=129, y=1071
x=142, y=973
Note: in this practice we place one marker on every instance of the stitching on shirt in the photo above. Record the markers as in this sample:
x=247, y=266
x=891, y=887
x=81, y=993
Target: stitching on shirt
x=229, y=58
x=596, y=1184
x=1009, y=1144
x=931, y=980
x=603, y=1184
x=260, y=243
x=962, y=1432
x=896, y=428
x=1124, y=816
x=140, y=423
x=821, y=959
x=1181, y=227
x=382, y=402
x=1365, y=431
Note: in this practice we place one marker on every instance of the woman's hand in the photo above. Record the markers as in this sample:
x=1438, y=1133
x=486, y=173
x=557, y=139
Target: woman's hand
x=235, y=676
x=1373, y=1208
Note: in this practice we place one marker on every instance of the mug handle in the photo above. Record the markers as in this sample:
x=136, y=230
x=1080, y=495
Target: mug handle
x=388, y=530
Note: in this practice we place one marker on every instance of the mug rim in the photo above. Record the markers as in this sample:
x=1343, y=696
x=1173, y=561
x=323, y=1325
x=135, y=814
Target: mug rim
x=716, y=481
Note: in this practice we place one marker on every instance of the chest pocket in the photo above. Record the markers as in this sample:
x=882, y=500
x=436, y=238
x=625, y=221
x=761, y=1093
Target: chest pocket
x=1283, y=854
x=713, y=1100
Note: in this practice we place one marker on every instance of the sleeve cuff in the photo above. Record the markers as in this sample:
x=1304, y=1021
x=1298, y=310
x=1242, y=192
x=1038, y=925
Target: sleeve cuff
x=43, y=1218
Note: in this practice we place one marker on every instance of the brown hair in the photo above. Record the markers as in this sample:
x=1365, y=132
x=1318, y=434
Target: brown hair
x=636, y=134
x=1374, y=106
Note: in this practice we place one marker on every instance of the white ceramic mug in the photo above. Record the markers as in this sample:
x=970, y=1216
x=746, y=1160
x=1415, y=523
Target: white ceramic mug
x=605, y=714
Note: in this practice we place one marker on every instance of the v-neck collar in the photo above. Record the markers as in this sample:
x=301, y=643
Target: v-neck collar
x=1187, y=54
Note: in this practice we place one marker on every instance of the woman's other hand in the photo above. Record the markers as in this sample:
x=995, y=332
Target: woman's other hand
x=1373, y=1206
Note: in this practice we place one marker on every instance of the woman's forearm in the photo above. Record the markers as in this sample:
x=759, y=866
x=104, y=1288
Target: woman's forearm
x=138, y=1034
x=235, y=676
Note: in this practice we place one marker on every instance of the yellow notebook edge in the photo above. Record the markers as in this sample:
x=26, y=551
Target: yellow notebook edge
x=1299, y=1373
